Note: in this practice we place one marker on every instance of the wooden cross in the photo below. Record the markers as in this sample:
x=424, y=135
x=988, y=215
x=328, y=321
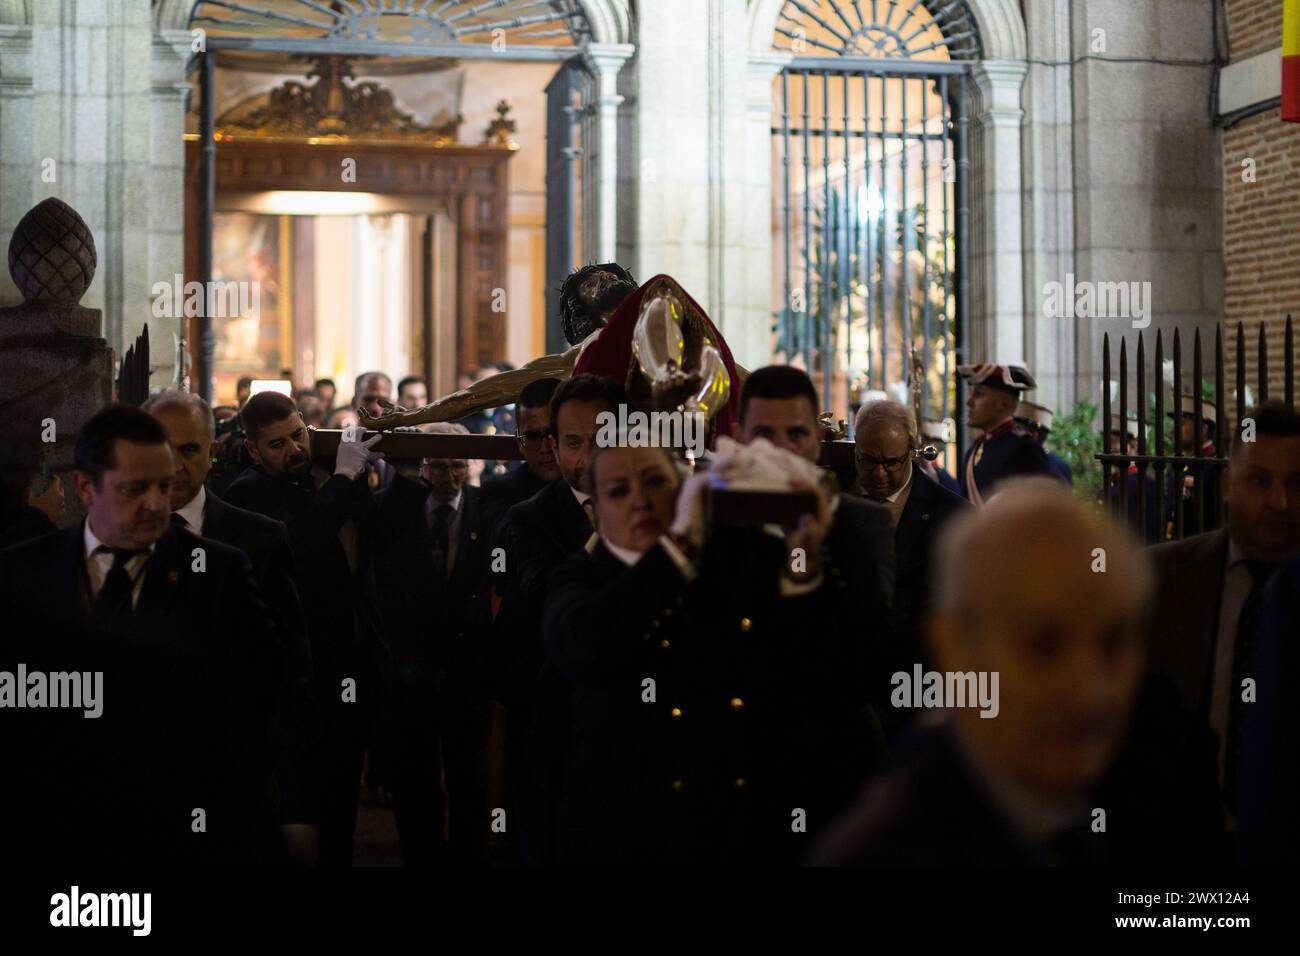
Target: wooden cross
x=413, y=446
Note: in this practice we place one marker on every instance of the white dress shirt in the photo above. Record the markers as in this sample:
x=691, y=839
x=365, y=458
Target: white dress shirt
x=583, y=500
x=897, y=501
x=631, y=557
x=193, y=511
x=98, y=565
x=626, y=555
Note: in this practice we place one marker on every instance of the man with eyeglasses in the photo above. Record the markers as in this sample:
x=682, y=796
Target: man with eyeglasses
x=538, y=468
x=433, y=566
x=919, y=507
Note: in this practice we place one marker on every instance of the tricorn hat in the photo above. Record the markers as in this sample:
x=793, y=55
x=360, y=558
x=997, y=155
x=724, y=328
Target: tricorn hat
x=1009, y=378
x=1035, y=414
x=940, y=431
x=1127, y=426
x=1187, y=406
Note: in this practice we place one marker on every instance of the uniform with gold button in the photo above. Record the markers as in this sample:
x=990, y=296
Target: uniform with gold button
x=697, y=747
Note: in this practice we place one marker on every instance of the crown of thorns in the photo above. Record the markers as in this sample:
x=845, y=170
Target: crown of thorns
x=577, y=313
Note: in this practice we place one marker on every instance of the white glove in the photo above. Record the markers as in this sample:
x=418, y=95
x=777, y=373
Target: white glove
x=353, y=456
x=689, y=519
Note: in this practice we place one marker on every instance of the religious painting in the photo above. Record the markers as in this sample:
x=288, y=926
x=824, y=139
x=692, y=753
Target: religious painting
x=252, y=320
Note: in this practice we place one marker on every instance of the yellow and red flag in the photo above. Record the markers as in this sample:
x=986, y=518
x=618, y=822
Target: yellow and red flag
x=1291, y=61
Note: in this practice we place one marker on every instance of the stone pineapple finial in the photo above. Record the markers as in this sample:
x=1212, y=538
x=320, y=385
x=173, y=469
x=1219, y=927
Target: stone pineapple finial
x=52, y=254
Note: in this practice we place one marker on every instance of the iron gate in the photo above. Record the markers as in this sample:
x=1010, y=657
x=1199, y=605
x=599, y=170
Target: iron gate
x=1169, y=496
x=871, y=175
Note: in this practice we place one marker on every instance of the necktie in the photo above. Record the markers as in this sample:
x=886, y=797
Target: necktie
x=1243, y=652
x=178, y=520
x=589, y=509
x=441, y=533
x=113, y=602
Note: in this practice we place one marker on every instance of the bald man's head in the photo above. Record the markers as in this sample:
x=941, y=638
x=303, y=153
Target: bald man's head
x=1051, y=596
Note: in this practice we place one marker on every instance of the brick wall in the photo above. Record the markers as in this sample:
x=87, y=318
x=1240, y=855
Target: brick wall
x=1253, y=26
x=1261, y=226
x=1261, y=220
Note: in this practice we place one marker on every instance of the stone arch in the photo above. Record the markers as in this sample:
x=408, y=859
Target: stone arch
x=1002, y=28
x=610, y=20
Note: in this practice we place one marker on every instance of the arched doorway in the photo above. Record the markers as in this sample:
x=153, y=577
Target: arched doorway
x=871, y=179
x=580, y=38
x=980, y=40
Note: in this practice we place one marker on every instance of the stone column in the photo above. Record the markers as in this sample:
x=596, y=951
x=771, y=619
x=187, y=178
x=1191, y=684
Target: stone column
x=997, y=306
x=751, y=340
x=1048, y=139
x=739, y=185
x=91, y=111
x=55, y=369
x=169, y=97
x=607, y=59
x=1148, y=202
x=702, y=155
x=670, y=159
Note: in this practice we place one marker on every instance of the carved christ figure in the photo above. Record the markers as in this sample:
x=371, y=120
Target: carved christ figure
x=593, y=300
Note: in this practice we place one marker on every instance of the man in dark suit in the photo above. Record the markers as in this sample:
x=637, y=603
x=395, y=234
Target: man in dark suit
x=538, y=535
x=1004, y=450
x=433, y=566
x=1269, y=788
x=779, y=403
x=329, y=516
x=190, y=428
x=538, y=469
x=1210, y=588
x=919, y=507
x=1048, y=750
x=127, y=572
x=499, y=495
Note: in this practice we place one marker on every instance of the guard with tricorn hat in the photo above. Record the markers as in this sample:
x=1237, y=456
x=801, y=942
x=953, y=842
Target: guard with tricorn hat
x=1037, y=420
x=1005, y=448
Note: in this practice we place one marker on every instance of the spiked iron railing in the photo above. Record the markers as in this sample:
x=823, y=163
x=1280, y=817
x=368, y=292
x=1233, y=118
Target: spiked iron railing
x=1171, y=519
x=133, y=373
